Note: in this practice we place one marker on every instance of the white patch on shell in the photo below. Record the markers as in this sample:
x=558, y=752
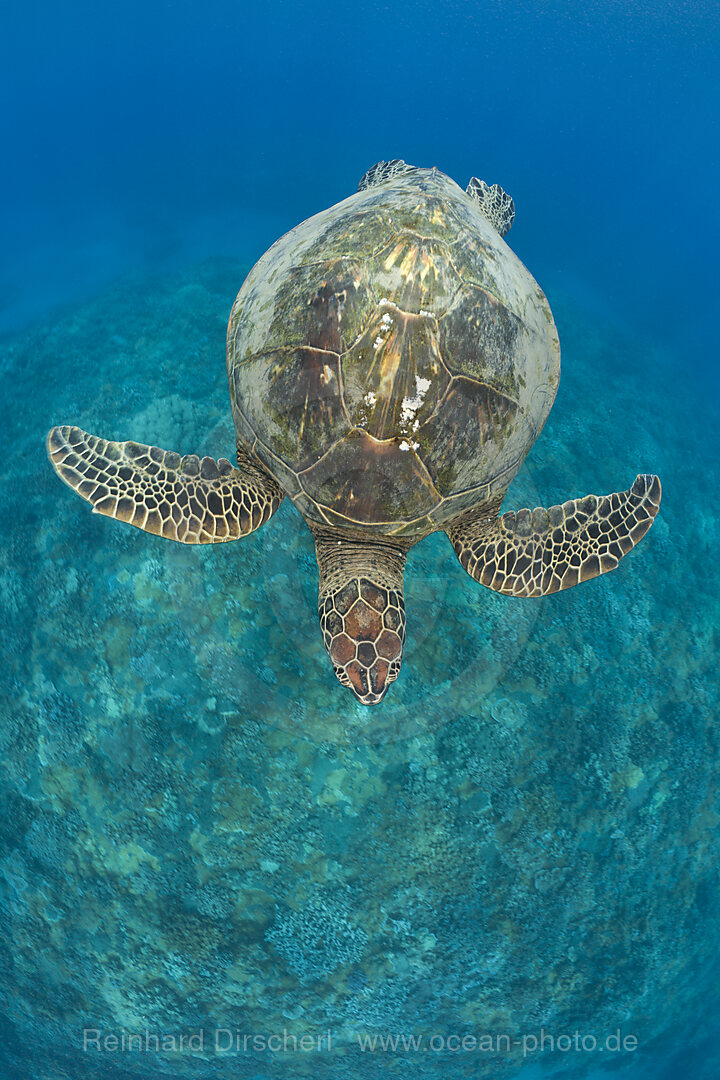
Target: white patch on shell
x=369, y=402
x=386, y=325
x=410, y=405
x=405, y=445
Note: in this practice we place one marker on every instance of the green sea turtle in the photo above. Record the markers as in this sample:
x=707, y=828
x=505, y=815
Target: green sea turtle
x=391, y=362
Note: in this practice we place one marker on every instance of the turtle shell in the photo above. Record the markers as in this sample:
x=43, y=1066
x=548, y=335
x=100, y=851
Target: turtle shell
x=390, y=360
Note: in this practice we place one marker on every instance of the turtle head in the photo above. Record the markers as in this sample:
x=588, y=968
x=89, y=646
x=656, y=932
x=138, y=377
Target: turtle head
x=363, y=627
x=362, y=610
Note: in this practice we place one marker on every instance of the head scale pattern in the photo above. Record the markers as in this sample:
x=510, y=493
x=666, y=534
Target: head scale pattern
x=363, y=627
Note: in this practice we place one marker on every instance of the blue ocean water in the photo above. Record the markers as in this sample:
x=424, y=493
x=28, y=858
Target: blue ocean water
x=200, y=830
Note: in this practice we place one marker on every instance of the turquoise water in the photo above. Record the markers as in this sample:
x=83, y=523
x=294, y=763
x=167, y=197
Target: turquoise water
x=203, y=833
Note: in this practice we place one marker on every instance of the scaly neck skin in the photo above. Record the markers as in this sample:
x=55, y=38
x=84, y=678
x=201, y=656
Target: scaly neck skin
x=341, y=556
x=361, y=607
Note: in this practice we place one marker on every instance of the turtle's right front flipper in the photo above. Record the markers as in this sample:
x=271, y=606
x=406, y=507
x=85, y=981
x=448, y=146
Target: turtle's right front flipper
x=533, y=553
x=195, y=501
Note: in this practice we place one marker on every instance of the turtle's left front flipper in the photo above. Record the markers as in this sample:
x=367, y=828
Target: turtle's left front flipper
x=532, y=553
x=193, y=500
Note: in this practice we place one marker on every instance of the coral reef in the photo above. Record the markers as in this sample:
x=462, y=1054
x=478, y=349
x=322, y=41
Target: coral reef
x=202, y=830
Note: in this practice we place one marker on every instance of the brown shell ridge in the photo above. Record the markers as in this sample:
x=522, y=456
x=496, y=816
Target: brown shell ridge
x=401, y=311
x=450, y=373
x=437, y=514
x=492, y=429
x=520, y=316
x=489, y=483
x=303, y=494
x=353, y=257
x=393, y=246
x=454, y=378
x=355, y=430
x=368, y=494
x=482, y=491
x=407, y=231
x=457, y=376
x=286, y=349
x=348, y=257
x=341, y=391
x=271, y=461
x=454, y=296
x=483, y=288
x=486, y=485
x=335, y=518
x=390, y=527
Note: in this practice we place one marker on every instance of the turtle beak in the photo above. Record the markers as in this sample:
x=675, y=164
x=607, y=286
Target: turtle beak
x=369, y=675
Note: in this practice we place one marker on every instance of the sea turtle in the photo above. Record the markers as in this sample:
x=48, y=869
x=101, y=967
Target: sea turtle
x=390, y=362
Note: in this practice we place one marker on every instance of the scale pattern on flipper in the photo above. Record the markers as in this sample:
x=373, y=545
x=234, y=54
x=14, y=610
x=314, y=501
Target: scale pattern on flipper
x=533, y=553
x=382, y=171
x=193, y=500
x=495, y=203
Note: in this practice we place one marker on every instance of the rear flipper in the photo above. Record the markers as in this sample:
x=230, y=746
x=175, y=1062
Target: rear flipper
x=182, y=498
x=496, y=204
x=382, y=171
x=533, y=553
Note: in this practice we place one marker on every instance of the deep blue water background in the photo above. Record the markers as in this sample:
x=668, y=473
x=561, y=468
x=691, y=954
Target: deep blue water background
x=142, y=131
x=143, y=136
